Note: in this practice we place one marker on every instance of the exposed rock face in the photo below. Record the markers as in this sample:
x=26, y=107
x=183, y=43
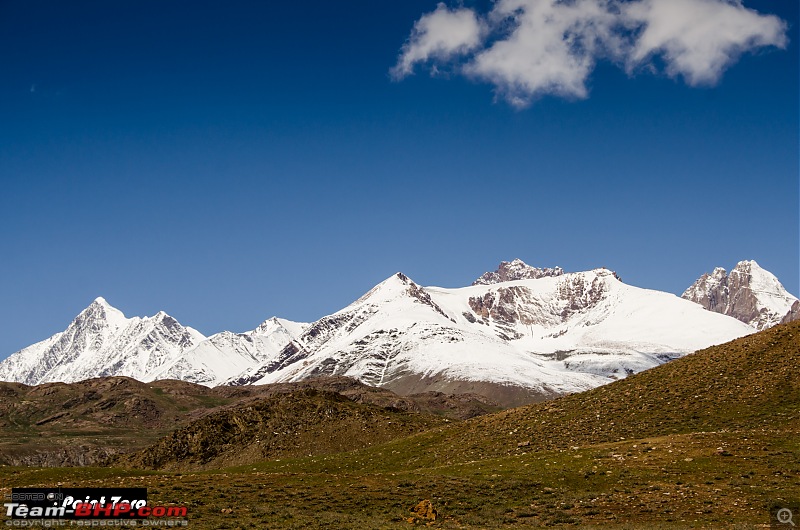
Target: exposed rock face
x=749, y=293
x=516, y=270
x=793, y=314
x=517, y=304
x=710, y=291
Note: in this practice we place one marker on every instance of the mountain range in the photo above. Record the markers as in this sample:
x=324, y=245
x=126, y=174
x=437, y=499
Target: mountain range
x=518, y=334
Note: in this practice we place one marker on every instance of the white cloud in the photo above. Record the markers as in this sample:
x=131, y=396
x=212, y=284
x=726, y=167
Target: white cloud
x=530, y=48
x=439, y=35
x=550, y=50
x=698, y=39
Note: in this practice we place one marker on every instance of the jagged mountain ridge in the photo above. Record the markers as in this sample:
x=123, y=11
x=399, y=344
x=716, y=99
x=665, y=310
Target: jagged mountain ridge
x=101, y=341
x=749, y=294
x=516, y=270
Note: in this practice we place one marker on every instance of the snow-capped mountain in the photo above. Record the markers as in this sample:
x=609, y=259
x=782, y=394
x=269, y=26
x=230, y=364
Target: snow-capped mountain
x=102, y=341
x=546, y=336
x=749, y=293
x=516, y=270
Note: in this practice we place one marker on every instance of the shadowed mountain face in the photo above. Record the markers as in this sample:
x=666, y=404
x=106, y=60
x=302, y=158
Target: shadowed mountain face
x=83, y=423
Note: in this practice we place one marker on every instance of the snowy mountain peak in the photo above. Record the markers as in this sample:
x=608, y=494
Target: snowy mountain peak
x=396, y=285
x=279, y=325
x=603, y=272
x=516, y=270
x=546, y=335
x=268, y=326
x=757, y=277
x=100, y=311
x=749, y=293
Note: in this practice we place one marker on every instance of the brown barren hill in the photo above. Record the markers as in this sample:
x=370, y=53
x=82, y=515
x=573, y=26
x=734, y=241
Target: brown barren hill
x=305, y=422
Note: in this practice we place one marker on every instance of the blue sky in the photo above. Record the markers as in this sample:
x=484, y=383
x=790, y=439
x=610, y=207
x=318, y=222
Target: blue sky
x=230, y=161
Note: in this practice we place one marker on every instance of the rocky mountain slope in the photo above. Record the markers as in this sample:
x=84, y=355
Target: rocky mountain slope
x=749, y=294
x=749, y=384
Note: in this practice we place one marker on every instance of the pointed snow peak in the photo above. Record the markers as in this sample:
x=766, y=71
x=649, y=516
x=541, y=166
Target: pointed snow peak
x=165, y=319
x=100, y=304
x=100, y=310
x=268, y=326
x=748, y=267
x=516, y=270
x=390, y=288
x=403, y=279
x=749, y=275
x=395, y=288
x=757, y=275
